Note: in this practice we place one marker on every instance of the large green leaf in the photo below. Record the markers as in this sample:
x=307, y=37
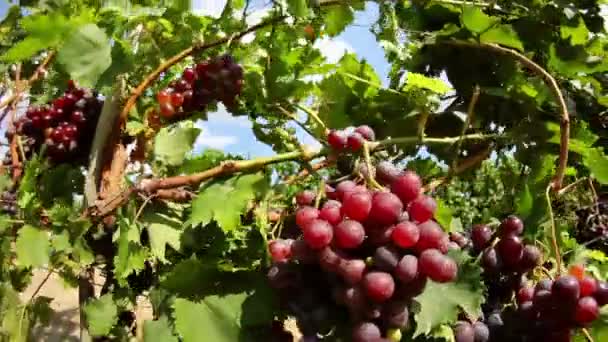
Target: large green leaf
x=597, y=163
x=86, y=54
x=101, y=315
x=299, y=8
x=162, y=230
x=503, y=35
x=224, y=201
x=524, y=202
x=418, y=81
x=578, y=34
x=475, y=20
x=337, y=18
x=33, y=247
x=440, y=303
x=172, y=143
x=158, y=331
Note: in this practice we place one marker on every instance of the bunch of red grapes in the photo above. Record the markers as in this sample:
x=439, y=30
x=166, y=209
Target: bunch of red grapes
x=377, y=247
x=65, y=126
x=554, y=308
x=340, y=140
x=216, y=79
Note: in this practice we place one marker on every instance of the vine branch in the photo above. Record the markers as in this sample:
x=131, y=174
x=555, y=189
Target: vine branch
x=552, y=84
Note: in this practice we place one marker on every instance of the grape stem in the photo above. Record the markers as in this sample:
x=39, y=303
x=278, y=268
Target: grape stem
x=558, y=260
x=368, y=163
x=552, y=84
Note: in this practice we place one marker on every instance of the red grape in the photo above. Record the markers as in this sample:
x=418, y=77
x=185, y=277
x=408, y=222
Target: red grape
x=422, y=208
x=386, y=208
x=386, y=172
x=329, y=260
x=163, y=97
x=344, y=188
x=481, y=236
x=406, y=234
x=337, y=139
x=601, y=293
x=511, y=250
x=396, y=314
x=280, y=250
x=587, y=311
x=437, y=266
x=379, y=286
x=366, y=332
x=430, y=236
x=380, y=236
x=305, y=197
x=349, y=234
x=318, y=234
x=464, y=332
x=566, y=289
x=357, y=205
x=351, y=270
x=512, y=225
x=301, y=252
x=544, y=284
x=525, y=294
x=366, y=132
x=530, y=258
x=330, y=192
x=482, y=333
x=167, y=110
x=189, y=75
x=407, y=269
x=386, y=259
x=177, y=99
x=407, y=186
x=331, y=214
x=588, y=286
x=355, y=141
x=305, y=215
x=490, y=260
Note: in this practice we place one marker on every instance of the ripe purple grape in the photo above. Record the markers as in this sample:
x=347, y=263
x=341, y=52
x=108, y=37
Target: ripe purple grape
x=386, y=258
x=566, y=288
x=386, y=172
x=405, y=234
x=407, y=186
x=331, y=214
x=305, y=215
x=430, y=236
x=464, y=332
x=422, y=209
x=301, y=252
x=349, y=234
x=366, y=132
x=318, y=234
x=378, y=286
x=337, y=140
x=396, y=314
x=531, y=257
x=437, y=266
x=355, y=141
x=366, y=332
x=481, y=235
x=380, y=236
x=601, y=293
x=357, y=205
x=587, y=311
x=343, y=188
x=407, y=269
x=512, y=225
x=482, y=333
x=351, y=270
x=588, y=286
x=491, y=261
x=329, y=260
x=189, y=74
x=280, y=250
x=305, y=197
x=525, y=294
x=510, y=248
x=386, y=208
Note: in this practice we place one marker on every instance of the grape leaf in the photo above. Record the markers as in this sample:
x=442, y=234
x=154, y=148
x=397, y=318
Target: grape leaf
x=163, y=230
x=444, y=214
x=86, y=54
x=225, y=200
x=33, y=247
x=337, y=18
x=597, y=163
x=418, y=81
x=130, y=255
x=475, y=20
x=299, y=8
x=172, y=143
x=440, y=303
x=158, y=331
x=578, y=34
x=503, y=35
x=101, y=315
x=524, y=202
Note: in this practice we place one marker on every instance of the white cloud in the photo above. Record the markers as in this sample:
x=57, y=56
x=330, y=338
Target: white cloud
x=207, y=139
x=211, y=8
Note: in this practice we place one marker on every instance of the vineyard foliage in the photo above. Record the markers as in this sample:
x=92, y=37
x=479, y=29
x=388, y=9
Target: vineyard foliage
x=501, y=107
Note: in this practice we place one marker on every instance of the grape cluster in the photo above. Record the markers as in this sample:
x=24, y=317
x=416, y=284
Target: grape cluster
x=216, y=79
x=465, y=331
x=378, y=248
x=340, y=140
x=65, y=126
x=9, y=203
x=553, y=308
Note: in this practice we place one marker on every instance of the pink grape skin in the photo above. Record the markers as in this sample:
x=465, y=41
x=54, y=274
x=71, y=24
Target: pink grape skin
x=366, y=132
x=357, y=205
x=366, y=332
x=305, y=197
x=305, y=215
x=386, y=172
x=586, y=311
x=337, y=139
x=386, y=208
x=405, y=234
x=407, y=186
x=331, y=214
x=344, y=188
x=280, y=250
x=430, y=236
x=352, y=271
x=422, y=209
x=378, y=286
x=349, y=234
x=355, y=142
x=318, y=234
x=407, y=269
x=437, y=266
x=525, y=294
x=588, y=286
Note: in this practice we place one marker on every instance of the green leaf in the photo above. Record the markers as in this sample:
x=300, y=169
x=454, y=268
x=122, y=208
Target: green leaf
x=337, y=18
x=503, y=35
x=216, y=318
x=101, y=315
x=134, y=128
x=162, y=230
x=444, y=214
x=298, y=8
x=475, y=20
x=418, y=81
x=172, y=143
x=440, y=303
x=158, y=331
x=225, y=200
x=524, y=202
x=597, y=163
x=44, y=31
x=130, y=256
x=578, y=35
x=86, y=54
x=33, y=247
